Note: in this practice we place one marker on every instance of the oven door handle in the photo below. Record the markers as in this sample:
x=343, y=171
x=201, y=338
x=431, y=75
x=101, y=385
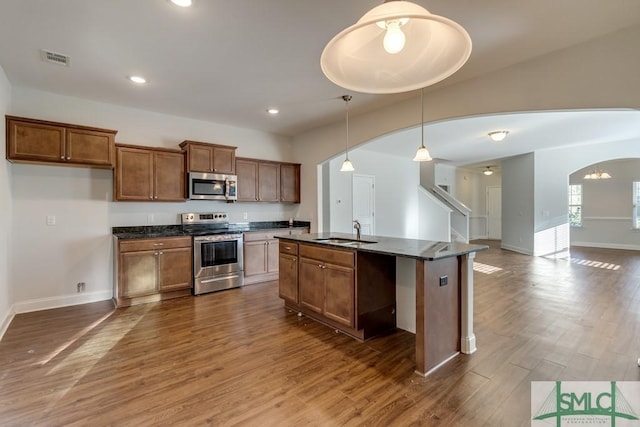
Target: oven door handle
x=226, y=188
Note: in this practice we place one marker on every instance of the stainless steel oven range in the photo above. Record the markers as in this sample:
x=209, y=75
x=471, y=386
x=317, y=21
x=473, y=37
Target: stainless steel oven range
x=217, y=252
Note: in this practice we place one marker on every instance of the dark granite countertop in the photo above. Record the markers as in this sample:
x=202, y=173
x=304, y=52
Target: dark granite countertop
x=153, y=231
x=410, y=248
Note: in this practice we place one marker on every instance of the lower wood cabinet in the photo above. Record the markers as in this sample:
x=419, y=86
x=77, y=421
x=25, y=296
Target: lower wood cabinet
x=153, y=269
x=349, y=290
x=261, y=256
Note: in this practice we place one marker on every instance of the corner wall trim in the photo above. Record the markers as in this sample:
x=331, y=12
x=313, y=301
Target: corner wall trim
x=4, y=325
x=61, y=301
x=516, y=249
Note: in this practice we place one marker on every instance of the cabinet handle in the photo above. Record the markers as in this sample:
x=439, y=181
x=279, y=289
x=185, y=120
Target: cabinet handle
x=150, y=197
x=161, y=252
x=288, y=248
x=69, y=158
x=156, y=253
x=158, y=244
x=62, y=157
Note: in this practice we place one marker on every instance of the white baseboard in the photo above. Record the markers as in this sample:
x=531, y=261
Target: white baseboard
x=4, y=325
x=607, y=245
x=516, y=249
x=61, y=301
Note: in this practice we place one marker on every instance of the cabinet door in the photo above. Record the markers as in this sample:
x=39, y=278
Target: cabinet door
x=339, y=302
x=89, y=147
x=134, y=174
x=37, y=142
x=200, y=158
x=288, y=278
x=255, y=258
x=138, y=273
x=290, y=183
x=273, y=253
x=268, y=182
x=224, y=160
x=310, y=284
x=169, y=176
x=174, y=269
x=247, y=171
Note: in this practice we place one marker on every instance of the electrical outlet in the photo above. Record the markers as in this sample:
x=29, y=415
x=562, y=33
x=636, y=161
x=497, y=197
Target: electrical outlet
x=245, y=215
x=444, y=280
x=81, y=287
x=150, y=219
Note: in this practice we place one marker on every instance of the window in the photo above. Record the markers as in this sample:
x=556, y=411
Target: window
x=636, y=204
x=575, y=205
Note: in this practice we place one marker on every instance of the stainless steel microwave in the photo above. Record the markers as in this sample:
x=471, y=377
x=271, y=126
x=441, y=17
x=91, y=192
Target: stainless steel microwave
x=213, y=186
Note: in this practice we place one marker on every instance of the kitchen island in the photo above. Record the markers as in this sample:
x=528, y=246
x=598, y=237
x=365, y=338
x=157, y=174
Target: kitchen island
x=349, y=284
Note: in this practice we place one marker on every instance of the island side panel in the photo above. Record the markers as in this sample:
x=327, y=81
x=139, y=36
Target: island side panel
x=437, y=313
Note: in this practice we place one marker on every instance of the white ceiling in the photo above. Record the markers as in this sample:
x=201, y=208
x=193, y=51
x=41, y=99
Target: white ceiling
x=227, y=62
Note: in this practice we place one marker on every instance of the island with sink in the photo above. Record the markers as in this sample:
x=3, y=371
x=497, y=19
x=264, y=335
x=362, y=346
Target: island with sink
x=349, y=283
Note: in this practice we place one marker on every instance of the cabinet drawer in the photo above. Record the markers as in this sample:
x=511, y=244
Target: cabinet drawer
x=334, y=256
x=288, y=248
x=253, y=236
x=153, y=244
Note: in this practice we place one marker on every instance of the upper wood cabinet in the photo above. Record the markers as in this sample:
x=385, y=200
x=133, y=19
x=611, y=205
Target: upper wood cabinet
x=290, y=183
x=266, y=181
x=38, y=141
x=204, y=157
x=149, y=174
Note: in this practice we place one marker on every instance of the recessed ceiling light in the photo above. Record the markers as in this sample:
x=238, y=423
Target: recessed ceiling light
x=273, y=111
x=138, y=79
x=498, y=135
x=182, y=3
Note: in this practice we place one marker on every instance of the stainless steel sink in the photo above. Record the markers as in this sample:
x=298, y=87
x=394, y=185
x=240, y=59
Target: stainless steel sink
x=343, y=241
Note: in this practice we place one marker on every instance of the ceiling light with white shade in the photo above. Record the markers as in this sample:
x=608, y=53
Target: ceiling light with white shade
x=422, y=155
x=397, y=46
x=498, y=135
x=346, y=165
x=488, y=171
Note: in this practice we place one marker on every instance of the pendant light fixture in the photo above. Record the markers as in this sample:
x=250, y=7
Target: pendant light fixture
x=397, y=46
x=346, y=165
x=488, y=171
x=422, y=155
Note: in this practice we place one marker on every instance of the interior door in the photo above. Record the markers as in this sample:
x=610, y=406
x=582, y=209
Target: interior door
x=364, y=202
x=494, y=213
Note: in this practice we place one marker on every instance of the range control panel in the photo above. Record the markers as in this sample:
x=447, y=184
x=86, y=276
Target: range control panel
x=204, y=218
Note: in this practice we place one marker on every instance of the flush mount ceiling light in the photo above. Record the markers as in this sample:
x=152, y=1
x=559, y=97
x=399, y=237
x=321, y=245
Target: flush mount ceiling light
x=488, y=171
x=346, y=165
x=397, y=46
x=182, y=3
x=498, y=135
x=422, y=155
x=273, y=111
x=138, y=79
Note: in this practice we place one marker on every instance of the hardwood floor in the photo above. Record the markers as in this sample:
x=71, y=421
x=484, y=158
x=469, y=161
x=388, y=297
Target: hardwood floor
x=239, y=358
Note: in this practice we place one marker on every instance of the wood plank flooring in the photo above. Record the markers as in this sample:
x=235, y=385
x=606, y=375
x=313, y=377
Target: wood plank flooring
x=238, y=358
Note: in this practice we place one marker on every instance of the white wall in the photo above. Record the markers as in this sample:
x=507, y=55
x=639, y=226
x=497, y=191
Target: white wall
x=471, y=189
x=607, y=206
x=396, y=180
x=6, y=208
x=578, y=77
x=79, y=247
x=518, y=203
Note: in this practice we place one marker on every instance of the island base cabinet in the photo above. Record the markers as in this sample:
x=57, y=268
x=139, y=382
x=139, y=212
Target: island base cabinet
x=351, y=291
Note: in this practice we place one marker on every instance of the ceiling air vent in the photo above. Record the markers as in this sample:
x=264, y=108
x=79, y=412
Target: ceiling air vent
x=55, y=58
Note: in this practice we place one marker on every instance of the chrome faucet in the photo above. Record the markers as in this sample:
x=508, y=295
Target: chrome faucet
x=356, y=225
